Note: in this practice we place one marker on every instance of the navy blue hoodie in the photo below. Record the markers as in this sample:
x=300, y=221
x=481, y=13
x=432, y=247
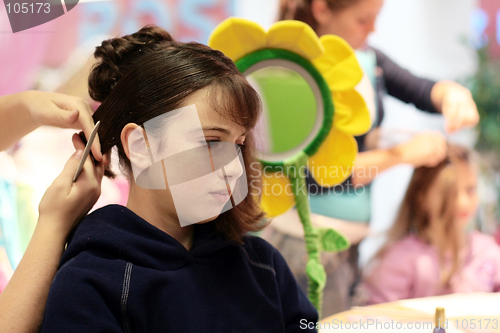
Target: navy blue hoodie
x=121, y=274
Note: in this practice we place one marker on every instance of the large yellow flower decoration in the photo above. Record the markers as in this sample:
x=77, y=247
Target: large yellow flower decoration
x=330, y=67
x=333, y=64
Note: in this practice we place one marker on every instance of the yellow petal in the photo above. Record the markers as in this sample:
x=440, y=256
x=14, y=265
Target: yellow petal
x=237, y=37
x=295, y=36
x=351, y=113
x=338, y=64
x=333, y=162
x=277, y=194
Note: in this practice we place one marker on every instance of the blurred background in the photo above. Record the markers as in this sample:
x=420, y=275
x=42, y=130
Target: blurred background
x=446, y=39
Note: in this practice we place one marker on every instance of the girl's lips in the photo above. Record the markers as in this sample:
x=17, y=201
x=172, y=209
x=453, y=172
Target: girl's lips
x=463, y=215
x=220, y=197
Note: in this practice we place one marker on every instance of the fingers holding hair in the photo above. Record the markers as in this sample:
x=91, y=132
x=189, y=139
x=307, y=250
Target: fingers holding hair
x=85, y=122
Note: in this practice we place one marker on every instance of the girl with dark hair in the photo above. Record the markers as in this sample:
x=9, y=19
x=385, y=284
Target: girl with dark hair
x=429, y=251
x=134, y=268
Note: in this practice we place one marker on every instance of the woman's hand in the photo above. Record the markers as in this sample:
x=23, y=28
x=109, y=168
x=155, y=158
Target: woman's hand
x=456, y=104
x=64, y=111
x=65, y=203
x=424, y=149
x=22, y=302
x=23, y=112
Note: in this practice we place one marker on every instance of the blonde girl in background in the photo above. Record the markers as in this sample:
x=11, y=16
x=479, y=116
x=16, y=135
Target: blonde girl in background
x=429, y=250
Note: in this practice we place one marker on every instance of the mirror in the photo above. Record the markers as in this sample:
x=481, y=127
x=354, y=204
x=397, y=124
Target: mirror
x=292, y=108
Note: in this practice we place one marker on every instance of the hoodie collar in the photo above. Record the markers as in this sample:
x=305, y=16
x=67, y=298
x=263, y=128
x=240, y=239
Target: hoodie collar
x=117, y=232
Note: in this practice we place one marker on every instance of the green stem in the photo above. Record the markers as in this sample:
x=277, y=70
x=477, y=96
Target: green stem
x=295, y=169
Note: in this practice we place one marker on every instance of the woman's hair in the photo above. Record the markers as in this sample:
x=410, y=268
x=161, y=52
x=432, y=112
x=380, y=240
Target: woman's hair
x=146, y=74
x=413, y=218
x=300, y=10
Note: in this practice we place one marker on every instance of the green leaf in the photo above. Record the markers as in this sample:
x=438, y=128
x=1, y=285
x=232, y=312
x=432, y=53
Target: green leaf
x=332, y=241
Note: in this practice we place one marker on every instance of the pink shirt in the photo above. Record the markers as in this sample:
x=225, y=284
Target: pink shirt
x=410, y=269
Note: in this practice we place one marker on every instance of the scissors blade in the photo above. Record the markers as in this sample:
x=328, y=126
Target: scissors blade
x=86, y=151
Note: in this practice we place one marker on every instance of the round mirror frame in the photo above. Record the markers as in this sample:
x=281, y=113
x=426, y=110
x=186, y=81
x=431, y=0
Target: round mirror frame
x=324, y=119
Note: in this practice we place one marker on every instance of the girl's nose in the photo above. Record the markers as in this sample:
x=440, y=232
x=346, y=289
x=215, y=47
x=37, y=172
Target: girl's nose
x=372, y=27
x=233, y=170
x=463, y=200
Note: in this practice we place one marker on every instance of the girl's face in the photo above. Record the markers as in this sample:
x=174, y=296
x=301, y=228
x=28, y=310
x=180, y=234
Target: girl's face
x=353, y=24
x=467, y=198
x=207, y=196
x=199, y=158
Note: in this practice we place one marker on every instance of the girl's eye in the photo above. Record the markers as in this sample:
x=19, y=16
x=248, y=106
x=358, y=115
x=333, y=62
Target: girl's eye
x=471, y=190
x=213, y=143
x=363, y=21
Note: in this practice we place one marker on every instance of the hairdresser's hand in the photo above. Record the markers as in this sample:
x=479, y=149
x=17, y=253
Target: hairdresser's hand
x=456, y=105
x=424, y=149
x=65, y=203
x=60, y=110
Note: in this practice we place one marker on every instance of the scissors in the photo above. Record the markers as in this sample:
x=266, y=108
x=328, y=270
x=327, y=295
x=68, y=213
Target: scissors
x=86, y=152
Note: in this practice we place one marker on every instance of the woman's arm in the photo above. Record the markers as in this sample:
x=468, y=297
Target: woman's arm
x=22, y=302
x=289, y=224
x=424, y=149
x=447, y=97
x=370, y=164
x=403, y=85
x=23, y=112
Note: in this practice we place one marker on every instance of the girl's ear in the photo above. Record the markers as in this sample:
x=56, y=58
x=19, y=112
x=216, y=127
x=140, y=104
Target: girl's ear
x=135, y=146
x=321, y=12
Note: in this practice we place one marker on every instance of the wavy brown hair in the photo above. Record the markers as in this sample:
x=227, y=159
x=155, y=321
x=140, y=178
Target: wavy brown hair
x=414, y=219
x=300, y=10
x=146, y=74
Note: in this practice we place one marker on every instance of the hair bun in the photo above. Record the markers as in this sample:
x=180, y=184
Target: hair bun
x=116, y=55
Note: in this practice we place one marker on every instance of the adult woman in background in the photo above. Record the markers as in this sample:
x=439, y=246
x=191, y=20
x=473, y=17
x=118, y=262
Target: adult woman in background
x=354, y=20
